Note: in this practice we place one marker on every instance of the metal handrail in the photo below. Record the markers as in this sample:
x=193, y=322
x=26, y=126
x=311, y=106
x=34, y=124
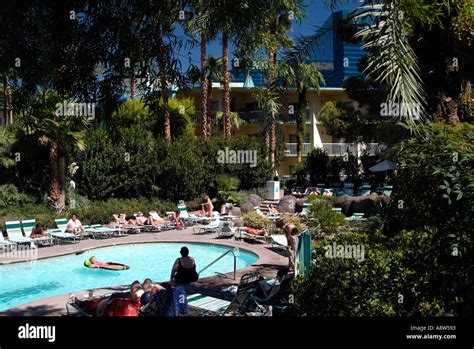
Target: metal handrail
x=220, y=257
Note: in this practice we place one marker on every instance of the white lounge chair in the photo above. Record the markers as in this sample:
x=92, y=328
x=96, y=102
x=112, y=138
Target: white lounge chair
x=16, y=235
x=280, y=240
x=98, y=231
x=6, y=243
x=212, y=227
x=226, y=229
x=62, y=236
x=189, y=219
x=28, y=225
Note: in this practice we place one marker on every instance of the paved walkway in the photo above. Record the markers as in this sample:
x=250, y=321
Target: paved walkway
x=269, y=260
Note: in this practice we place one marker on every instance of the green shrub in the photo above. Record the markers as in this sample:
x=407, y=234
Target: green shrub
x=398, y=276
x=226, y=188
x=10, y=196
x=256, y=221
x=434, y=183
x=324, y=219
x=329, y=199
x=294, y=220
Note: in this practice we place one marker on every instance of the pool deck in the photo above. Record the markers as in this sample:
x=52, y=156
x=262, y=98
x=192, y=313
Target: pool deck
x=270, y=259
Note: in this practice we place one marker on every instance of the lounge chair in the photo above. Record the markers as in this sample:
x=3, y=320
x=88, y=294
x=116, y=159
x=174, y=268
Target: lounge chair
x=63, y=237
x=97, y=231
x=216, y=306
x=6, y=243
x=278, y=298
x=61, y=223
x=306, y=209
x=365, y=190
x=15, y=234
x=118, y=305
x=243, y=235
x=279, y=240
x=387, y=191
x=28, y=225
x=163, y=224
x=226, y=230
x=188, y=219
x=212, y=227
x=349, y=189
x=356, y=217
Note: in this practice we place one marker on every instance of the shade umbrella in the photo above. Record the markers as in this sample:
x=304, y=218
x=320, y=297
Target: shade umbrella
x=383, y=166
x=249, y=82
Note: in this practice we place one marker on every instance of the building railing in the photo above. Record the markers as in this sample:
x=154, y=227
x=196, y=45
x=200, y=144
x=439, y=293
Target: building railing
x=256, y=117
x=259, y=117
x=290, y=149
x=342, y=149
x=336, y=149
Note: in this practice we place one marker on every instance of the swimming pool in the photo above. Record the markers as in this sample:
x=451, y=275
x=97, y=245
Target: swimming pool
x=29, y=281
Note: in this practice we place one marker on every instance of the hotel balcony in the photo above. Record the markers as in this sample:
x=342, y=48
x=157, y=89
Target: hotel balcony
x=257, y=117
x=334, y=149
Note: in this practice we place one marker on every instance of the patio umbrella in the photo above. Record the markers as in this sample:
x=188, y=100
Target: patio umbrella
x=383, y=166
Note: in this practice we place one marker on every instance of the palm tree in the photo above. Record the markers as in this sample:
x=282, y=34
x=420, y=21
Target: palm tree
x=302, y=76
x=235, y=119
x=408, y=42
x=60, y=133
x=214, y=72
x=268, y=31
x=6, y=141
x=201, y=26
x=226, y=17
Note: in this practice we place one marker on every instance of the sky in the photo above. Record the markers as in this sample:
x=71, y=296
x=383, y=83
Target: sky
x=316, y=15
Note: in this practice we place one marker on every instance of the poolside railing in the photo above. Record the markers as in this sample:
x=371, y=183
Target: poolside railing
x=233, y=251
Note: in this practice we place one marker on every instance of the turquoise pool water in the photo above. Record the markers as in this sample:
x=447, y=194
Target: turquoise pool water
x=29, y=281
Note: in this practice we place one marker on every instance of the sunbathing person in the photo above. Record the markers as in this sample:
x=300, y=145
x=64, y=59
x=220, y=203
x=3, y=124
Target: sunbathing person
x=273, y=209
x=74, y=225
x=119, y=304
x=120, y=218
x=131, y=221
x=141, y=220
x=184, y=268
x=258, y=232
x=155, y=219
x=150, y=290
x=178, y=220
x=38, y=232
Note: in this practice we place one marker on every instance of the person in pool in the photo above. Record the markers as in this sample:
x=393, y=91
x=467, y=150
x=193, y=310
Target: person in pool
x=94, y=263
x=184, y=268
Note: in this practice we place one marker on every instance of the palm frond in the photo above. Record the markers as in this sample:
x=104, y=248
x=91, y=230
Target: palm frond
x=392, y=60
